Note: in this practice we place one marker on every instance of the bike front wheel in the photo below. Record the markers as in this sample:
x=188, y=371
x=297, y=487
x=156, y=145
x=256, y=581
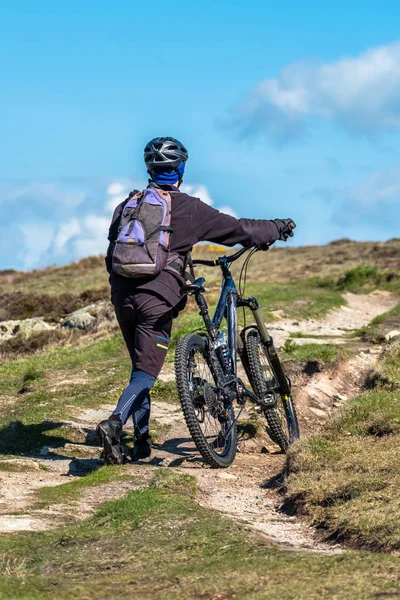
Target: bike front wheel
x=283, y=426
x=212, y=426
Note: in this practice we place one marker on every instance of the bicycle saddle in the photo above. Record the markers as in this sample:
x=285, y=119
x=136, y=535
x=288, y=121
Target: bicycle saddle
x=194, y=288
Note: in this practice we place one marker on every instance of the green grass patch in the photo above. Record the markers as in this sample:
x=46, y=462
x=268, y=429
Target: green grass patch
x=251, y=428
x=15, y=467
x=187, y=322
x=302, y=299
x=158, y=543
x=70, y=491
x=56, y=384
x=369, y=278
x=325, y=353
x=346, y=479
x=165, y=391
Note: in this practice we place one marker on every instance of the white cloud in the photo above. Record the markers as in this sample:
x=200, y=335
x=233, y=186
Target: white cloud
x=35, y=238
x=92, y=238
x=113, y=202
x=368, y=210
x=362, y=94
x=379, y=186
x=116, y=188
x=65, y=232
x=61, y=221
x=199, y=191
x=228, y=210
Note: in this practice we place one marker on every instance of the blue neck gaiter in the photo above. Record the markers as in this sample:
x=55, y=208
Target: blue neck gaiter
x=167, y=177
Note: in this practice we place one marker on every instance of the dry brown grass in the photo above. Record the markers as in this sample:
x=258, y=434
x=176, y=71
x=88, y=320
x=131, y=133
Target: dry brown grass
x=286, y=263
x=281, y=264
x=22, y=305
x=20, y=345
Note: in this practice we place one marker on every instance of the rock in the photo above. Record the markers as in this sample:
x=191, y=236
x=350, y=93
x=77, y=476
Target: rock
x=8, y=329
x=44, y=451
x=375, y=350
x=28, y=326
x=395, y=333
x=25, y=327
x=79, y=319
x=224, y=475
x=318, y=412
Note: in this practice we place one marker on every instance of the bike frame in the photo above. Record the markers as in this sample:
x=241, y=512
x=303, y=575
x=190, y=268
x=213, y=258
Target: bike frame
x=228, y=303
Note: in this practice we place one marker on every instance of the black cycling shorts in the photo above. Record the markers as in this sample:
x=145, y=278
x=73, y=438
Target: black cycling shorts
x=145, y=320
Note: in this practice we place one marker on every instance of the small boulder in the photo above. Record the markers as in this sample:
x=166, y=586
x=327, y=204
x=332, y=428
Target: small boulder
x=80, y=319
x=25, y=327
x=392, y=335
x=29, y=326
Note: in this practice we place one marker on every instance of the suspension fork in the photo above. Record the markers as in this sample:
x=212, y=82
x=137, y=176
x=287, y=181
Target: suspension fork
x=232, y=328
x=268, y=343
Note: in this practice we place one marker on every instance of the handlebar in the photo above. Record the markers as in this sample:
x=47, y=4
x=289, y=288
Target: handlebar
x=229, y=259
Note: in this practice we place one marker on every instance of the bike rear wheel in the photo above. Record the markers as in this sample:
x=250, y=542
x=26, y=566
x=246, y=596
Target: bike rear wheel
x=214, y=434
x=283, y=426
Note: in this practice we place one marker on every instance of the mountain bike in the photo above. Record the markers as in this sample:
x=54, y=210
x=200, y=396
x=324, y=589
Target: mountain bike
x=206, y=370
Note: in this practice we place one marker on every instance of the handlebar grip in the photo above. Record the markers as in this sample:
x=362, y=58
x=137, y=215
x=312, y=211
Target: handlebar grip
x=205, y=263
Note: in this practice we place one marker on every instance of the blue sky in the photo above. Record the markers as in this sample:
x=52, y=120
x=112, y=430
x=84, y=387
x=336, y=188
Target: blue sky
x=287, y=110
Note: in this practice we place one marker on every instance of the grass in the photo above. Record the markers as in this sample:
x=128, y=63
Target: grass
x=376, y=329
x=21, y=345
x=158, y=543
x=25, y=305
x=281, y=263
x=347, y=478
x=13, y=467
x=55, y=385
x=325, y=353
x=165, y=391
x=299, y=300
x=251, y=428
x=74, y=278
x=67, y=492
x=367, y=278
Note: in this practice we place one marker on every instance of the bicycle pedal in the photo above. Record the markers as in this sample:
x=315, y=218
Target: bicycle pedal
x=268, y=401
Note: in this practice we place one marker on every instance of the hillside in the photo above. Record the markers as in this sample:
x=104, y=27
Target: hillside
x=320, y=523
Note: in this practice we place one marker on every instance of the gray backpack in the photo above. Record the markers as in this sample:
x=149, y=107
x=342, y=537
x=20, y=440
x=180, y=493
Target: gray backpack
x=142, y=246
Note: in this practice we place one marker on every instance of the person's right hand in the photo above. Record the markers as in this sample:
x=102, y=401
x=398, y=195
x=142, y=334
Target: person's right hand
x=285, y=228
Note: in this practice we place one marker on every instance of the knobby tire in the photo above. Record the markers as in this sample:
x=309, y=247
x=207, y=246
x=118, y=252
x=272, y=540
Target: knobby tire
x=188, y=346
x=281, y=434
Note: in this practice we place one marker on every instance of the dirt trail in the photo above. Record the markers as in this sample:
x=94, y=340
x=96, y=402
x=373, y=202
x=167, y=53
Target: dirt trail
x=247, y=491
x=358, y=311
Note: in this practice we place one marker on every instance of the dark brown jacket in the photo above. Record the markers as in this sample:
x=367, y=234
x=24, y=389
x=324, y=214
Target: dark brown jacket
x=192, y=221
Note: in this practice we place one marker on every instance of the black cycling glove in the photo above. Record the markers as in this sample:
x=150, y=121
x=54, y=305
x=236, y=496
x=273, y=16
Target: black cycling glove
x=285, y=228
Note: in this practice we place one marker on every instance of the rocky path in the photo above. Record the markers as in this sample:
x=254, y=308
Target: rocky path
x=358, y=311
x=247, y=491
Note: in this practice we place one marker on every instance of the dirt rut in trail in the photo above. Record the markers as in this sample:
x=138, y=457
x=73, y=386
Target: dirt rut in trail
x=247, y=491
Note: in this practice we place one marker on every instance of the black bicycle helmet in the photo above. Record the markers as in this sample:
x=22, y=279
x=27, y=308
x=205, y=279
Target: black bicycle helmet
x=164, y=153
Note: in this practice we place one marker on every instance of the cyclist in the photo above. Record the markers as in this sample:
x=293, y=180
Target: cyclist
x=145, y=308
